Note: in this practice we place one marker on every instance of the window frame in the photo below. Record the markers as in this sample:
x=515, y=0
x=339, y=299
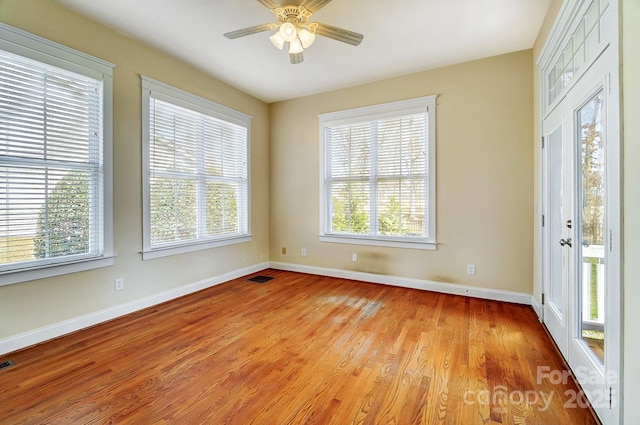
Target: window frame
x=49, y=53
x=175, y=96
x=372, y=113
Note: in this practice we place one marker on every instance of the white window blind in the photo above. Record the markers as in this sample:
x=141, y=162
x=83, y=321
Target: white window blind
x=198, y=175
x=377, y=179
x=51, y=162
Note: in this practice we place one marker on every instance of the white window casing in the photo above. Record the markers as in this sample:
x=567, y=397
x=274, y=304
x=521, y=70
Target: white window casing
x=196, y=191
x=56, y=212
x=377, y=175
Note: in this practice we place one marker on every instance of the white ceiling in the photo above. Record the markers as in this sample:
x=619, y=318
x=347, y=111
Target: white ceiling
x=400, y=37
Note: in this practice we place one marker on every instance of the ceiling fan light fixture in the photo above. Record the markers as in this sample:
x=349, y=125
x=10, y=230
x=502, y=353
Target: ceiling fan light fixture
x=295, y=46
x=306, y=38
x=293, y=29
x=288, y=31
x=277, y=40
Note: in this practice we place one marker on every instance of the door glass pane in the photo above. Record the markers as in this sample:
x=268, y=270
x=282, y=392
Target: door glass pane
x=592, y=228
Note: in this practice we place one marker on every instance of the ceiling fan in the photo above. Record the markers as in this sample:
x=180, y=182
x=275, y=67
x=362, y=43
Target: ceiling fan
x=294, y=28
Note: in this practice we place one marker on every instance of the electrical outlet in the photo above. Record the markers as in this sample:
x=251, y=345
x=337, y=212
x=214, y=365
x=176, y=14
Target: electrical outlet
x=119, y=284
x=471, y=269
x=284, y=249
x=354, y=257
x=304, y=252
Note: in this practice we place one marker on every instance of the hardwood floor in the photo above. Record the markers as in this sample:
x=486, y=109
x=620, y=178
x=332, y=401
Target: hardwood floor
x=299, y=349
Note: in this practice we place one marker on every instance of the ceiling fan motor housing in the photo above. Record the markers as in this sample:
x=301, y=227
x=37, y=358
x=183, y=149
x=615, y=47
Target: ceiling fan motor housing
x=293, y=14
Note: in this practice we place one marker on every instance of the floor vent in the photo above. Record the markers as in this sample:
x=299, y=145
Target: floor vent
x=5, y=364
x=260, y=279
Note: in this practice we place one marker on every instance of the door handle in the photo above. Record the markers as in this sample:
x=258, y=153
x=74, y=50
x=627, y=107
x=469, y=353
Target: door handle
x=567, y=241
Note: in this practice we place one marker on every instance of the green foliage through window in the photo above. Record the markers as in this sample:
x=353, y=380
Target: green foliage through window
x=349, y=210
x=63, y=222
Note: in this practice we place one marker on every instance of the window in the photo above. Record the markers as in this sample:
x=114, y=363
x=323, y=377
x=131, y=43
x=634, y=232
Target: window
x=55, y=159
x=581, y=48
x=378, y=182
x=196, y=186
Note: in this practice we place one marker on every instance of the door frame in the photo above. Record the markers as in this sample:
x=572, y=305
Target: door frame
x=571, y=13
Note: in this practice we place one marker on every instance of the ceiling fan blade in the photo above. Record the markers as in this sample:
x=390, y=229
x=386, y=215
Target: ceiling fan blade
x=270, y=4
x=314, y=5
x=339, y=34
x=250, y=30
x=295, y=58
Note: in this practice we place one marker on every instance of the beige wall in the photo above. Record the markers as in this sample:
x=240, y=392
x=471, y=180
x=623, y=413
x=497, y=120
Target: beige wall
x=484, y=176
x=631, y=207
x=30, y=305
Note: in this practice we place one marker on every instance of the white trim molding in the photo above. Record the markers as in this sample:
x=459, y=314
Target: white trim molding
x=405, y=282
x=43, y=54
x=210, y=115
x=55, y=330
x=536, y=306
x=370, y=116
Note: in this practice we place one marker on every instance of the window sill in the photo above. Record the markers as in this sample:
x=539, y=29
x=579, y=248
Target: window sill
x=51, y=270
x=197, y=246
x=429, y=246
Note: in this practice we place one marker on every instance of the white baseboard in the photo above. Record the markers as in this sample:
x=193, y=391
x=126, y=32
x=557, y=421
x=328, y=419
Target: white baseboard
x=55, y=330
x=428, y=285
x=536, y=306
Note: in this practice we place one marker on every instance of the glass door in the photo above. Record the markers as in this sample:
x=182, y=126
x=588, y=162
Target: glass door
x=581, y=199
x=592, y=215
x=594, y=297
